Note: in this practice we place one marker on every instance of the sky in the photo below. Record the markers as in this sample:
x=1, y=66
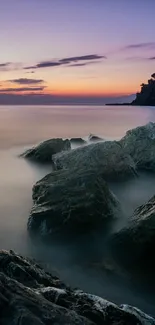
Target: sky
x=75, y=48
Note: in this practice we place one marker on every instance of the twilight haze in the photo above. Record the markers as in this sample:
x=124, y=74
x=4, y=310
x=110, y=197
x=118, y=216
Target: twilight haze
x=66, y=51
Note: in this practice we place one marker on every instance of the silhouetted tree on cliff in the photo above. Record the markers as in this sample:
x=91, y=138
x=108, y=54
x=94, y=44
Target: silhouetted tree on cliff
x=146, y=96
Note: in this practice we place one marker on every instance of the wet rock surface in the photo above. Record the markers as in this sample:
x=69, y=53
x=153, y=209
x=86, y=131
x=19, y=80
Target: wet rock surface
x=45, y=150
x=108, y=157
x=78, y=202
x=29, y=295
x=140, y=144
x=136, y=241
x=75, y=199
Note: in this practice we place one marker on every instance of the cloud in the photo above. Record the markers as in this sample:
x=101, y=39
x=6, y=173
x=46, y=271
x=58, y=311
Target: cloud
x=139, y=58
x=82, y=58
x=78, y=64
x=29, y=89
x=5, y=66
x=147, y=45
x=68, y=61
x=10, y=66
x=83, y=64
x=45, y=64
x=26, y=81
x=30, y=72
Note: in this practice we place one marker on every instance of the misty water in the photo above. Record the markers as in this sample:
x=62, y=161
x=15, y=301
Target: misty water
x=79, y=264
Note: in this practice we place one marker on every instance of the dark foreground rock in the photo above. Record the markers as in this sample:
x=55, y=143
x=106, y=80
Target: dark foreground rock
x=45, y=150
x=30, y=296
x=108, y=157
x=140, y=144
x=135, y=243
x=77, y=141
x=76, y=201
x=94, y=138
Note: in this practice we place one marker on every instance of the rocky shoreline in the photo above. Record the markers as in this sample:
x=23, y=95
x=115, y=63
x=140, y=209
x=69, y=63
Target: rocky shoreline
x=76, y=199
x=31, y=296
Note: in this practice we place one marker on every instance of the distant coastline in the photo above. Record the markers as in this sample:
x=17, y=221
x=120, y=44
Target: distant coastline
x=38, y=100
x=118, y=104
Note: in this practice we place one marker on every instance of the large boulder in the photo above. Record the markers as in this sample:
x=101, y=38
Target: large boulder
x=75, y=201
x=135, y=243
x=45, y=150
x=108, y=157
x=30, y=296
x=140, y=144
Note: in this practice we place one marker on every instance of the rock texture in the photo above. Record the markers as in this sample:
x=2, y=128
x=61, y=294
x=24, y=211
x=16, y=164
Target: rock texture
x=94, y=138
x=30, y=296
x=140, y=144
x=76, y=201
x=146, y=96
x=138, y=238
x=44, y=151
x=77, y=141
x=108, y=157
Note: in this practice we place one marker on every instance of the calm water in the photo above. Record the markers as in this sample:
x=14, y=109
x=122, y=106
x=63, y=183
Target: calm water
x=24, y=126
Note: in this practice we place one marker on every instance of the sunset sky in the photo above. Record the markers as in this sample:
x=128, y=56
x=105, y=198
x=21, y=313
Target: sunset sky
x=88, y=48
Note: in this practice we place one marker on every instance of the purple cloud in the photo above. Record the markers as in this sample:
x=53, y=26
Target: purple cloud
x=26, y=81
x=46, y=64
x=5, y=66
x=149, y=45
x=78, y=64
x=70, y=60
x=10, y=66
x=82, y=58
x=9, y=90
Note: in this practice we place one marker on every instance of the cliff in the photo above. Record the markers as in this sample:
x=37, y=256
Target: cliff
x=146, y=97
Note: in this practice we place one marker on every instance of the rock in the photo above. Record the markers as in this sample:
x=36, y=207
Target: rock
x=26, y=271
x=22, y=305
x=146, y=97
x=40, y=303
x=138, y=239
x=77, y=141
x=140, y=144
x=94, y=138
x=76, y=201
x=45, y=150
x=108, y=157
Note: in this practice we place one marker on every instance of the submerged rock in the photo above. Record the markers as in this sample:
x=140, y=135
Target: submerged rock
x=94, y=138
x=45, y=150
x=78, y=141
x=76, y=201
x=108, y=157
x=43, y=301
x=135, y=243
x=140, y=144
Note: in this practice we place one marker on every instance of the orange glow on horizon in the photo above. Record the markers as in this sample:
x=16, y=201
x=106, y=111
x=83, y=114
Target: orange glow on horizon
x=77, y=88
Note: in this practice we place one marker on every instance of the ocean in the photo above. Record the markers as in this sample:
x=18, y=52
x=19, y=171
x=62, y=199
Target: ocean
x=23, y=126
